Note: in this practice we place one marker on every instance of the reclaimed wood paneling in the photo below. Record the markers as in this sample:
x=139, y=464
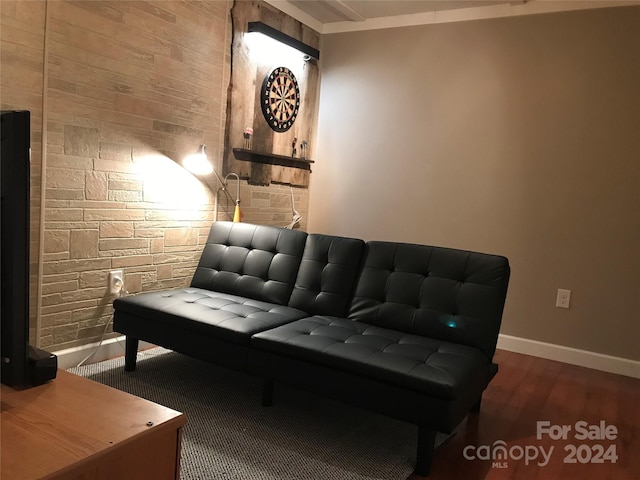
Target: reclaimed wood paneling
x=243, y=110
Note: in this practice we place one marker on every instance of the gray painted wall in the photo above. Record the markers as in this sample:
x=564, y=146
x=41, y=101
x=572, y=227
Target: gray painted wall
x=518, y=136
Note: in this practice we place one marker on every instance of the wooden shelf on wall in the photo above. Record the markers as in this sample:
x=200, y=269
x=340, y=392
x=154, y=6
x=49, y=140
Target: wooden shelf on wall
x=271, y=159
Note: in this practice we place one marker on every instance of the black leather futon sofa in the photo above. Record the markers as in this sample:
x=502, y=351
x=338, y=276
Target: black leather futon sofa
x=405, y=330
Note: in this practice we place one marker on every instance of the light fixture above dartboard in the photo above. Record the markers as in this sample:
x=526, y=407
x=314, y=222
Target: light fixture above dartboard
x=280, y=99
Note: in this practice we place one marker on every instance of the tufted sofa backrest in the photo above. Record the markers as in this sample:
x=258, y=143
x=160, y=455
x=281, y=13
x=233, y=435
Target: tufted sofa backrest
x=255, y=261
x=447, y=294
x=327, y=274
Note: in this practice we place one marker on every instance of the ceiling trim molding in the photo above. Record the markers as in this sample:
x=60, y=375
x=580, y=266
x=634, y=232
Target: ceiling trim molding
x=511, y=9
x=346, y=10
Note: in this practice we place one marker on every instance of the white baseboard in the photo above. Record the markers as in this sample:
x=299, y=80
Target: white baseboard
x=573, y=356
x=113, y=347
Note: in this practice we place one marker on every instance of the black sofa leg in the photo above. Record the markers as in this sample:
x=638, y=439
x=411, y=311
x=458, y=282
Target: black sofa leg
x=424, y=453
x=130, y=354
x=267, y=392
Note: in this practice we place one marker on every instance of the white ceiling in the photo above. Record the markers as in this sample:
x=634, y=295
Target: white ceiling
x=330, y=11
x=334, y=16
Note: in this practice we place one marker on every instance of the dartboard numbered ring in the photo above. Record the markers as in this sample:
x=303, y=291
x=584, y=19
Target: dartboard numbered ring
x=280, y=99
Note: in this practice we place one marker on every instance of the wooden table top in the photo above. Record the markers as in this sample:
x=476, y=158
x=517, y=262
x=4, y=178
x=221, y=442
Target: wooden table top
x=47, y=428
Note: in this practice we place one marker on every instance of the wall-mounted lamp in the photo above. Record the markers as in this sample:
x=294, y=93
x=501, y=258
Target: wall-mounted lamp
x=198, y=163
x=265, y=29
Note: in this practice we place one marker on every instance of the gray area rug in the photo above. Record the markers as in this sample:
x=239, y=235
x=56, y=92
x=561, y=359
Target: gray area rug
x=229, y=435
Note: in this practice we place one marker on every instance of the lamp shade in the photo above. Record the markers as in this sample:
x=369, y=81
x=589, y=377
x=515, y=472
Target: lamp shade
x=198, y=163
x=269, y=31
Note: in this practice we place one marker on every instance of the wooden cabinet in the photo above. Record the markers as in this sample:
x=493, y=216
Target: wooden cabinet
x=76, y=429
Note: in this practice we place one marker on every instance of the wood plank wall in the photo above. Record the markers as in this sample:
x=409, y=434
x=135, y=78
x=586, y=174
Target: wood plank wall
x=248, y=72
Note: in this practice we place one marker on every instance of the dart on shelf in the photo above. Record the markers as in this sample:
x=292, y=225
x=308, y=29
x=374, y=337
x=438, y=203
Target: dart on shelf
x=248, y=134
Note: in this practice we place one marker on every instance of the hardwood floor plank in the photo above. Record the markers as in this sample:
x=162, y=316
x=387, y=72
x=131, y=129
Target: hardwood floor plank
x=528, y=390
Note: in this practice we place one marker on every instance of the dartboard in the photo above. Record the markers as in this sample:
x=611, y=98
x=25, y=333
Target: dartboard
x=280, y=99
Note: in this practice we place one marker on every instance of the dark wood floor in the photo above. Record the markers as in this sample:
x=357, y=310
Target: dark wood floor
x=529, y=389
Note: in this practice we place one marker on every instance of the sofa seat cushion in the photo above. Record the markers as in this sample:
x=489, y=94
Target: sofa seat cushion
x=220, y=315
x=434, y=367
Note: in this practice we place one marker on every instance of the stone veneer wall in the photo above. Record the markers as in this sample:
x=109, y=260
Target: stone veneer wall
x=125, y=90
x=22, y=27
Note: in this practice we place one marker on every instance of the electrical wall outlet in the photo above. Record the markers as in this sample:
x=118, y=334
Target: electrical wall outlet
x=116, y=281
x=563, y=298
